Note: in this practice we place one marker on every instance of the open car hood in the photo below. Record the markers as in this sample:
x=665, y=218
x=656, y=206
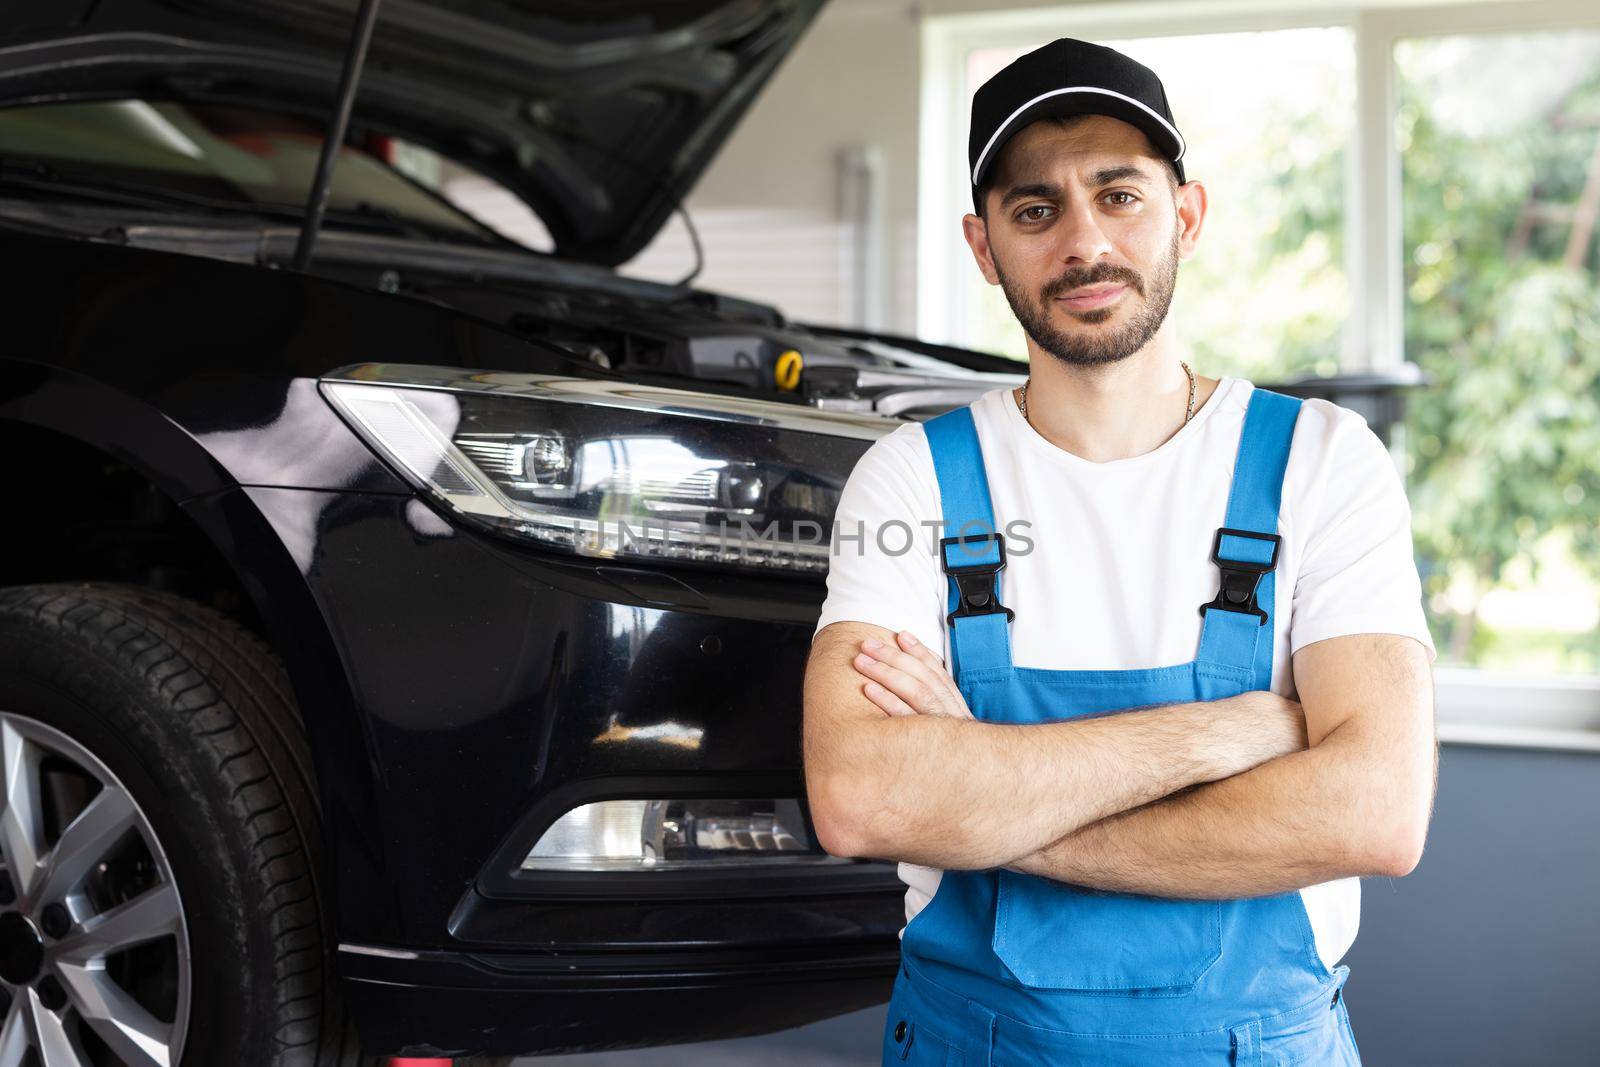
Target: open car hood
x=601, y=114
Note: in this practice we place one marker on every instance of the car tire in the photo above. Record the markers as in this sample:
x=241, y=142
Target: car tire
x=107, y=687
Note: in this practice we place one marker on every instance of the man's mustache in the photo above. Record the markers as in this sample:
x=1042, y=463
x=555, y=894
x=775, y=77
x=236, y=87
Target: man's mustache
x=1108, y=275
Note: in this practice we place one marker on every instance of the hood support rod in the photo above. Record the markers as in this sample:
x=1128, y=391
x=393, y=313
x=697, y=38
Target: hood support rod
x=338, y=123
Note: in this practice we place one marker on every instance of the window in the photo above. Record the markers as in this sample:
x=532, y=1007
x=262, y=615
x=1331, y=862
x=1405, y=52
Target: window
x=483, y=198
x=1421, y=184
x=215, y=156
x=1501, y=193
x=218, y=156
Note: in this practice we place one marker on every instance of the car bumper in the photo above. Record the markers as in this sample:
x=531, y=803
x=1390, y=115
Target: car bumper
x=510, y=1004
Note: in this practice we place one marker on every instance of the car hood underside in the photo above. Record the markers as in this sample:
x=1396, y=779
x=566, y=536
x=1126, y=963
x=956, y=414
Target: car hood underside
x=600, y=115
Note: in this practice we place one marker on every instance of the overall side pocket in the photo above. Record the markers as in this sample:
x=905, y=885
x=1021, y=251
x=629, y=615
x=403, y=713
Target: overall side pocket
x=1056, y=936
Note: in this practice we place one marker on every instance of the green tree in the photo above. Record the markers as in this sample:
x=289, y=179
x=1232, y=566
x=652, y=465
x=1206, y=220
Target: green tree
x=1503, y=313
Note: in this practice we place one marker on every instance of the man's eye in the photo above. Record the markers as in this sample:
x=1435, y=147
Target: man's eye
x=1131, y=198
x=1023, y=214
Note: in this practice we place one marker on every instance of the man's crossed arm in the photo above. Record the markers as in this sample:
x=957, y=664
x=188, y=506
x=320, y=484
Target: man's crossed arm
x=941, y=788
x=897, y=768
x=1356, y=802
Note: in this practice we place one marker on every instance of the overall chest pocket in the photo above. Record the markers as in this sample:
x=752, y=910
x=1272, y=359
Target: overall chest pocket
x=1057, y=936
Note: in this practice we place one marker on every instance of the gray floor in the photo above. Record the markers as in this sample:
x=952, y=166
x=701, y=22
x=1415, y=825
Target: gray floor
x=847, y=1041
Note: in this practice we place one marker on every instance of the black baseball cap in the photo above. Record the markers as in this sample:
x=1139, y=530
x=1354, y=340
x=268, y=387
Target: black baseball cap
x=1068, y=77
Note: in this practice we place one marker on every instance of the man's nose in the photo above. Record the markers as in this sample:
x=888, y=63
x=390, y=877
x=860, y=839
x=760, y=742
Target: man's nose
x=1078, y=234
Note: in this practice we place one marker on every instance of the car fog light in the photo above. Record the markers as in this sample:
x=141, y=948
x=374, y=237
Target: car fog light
x=623, y=835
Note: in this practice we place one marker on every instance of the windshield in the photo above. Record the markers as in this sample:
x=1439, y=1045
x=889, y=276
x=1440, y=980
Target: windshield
x=223, y=152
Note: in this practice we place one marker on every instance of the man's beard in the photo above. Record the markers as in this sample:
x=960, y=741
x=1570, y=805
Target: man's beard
x=1096, y=346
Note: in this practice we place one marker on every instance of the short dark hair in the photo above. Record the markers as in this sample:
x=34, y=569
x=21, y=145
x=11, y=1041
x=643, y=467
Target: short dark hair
x=980, y=193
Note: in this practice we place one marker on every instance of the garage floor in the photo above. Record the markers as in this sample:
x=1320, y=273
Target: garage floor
x=847, y=1041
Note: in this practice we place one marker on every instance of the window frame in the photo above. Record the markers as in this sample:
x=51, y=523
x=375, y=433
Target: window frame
x=1474, y=706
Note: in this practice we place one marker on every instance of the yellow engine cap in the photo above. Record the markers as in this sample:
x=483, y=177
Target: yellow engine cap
x=786, y=372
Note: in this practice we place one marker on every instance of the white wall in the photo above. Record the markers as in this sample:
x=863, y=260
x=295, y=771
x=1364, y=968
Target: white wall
x=770, y=210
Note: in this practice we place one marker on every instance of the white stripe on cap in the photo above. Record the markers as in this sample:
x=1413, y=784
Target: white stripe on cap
x=978, y=166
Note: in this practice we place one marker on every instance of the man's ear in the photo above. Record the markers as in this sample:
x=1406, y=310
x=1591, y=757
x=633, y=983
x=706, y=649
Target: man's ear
x=1191, y=204
x=976, y=232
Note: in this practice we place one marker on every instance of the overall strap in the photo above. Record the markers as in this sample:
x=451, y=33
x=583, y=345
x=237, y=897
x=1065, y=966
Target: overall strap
x=1237, y=626
x=972, y=551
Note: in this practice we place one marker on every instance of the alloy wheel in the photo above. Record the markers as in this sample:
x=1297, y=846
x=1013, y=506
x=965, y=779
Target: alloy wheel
x=94, y=950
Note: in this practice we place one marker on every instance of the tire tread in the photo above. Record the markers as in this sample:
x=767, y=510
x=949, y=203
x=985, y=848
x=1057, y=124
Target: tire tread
x=233, y=695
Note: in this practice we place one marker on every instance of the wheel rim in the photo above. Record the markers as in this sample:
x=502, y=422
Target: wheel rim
x=93, y=903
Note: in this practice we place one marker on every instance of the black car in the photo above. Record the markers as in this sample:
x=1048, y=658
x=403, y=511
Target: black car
x=401, y=629
x=379, y=673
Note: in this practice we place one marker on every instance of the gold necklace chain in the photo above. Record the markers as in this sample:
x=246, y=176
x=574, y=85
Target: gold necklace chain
x=1022, y=402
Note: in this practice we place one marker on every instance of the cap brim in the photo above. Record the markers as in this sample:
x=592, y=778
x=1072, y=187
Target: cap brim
x=1083, y=100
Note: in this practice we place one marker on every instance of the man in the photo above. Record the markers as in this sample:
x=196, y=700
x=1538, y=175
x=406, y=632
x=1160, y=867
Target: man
x=1131, y=788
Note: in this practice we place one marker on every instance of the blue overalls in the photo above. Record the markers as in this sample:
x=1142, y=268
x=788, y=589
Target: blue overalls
x=1009, y=969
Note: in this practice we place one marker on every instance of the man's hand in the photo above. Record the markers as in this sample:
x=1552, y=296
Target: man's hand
x=909, y=679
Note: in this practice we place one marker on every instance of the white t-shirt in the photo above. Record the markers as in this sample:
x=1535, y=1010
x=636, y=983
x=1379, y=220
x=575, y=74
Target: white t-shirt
x=1120, y=560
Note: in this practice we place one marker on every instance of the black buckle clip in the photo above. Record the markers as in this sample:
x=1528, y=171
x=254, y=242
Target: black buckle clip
x=1240, y=577
x=975, y=582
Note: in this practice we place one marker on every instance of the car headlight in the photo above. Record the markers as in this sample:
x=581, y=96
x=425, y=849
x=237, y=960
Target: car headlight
x=636, y=835
x=613, y=469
